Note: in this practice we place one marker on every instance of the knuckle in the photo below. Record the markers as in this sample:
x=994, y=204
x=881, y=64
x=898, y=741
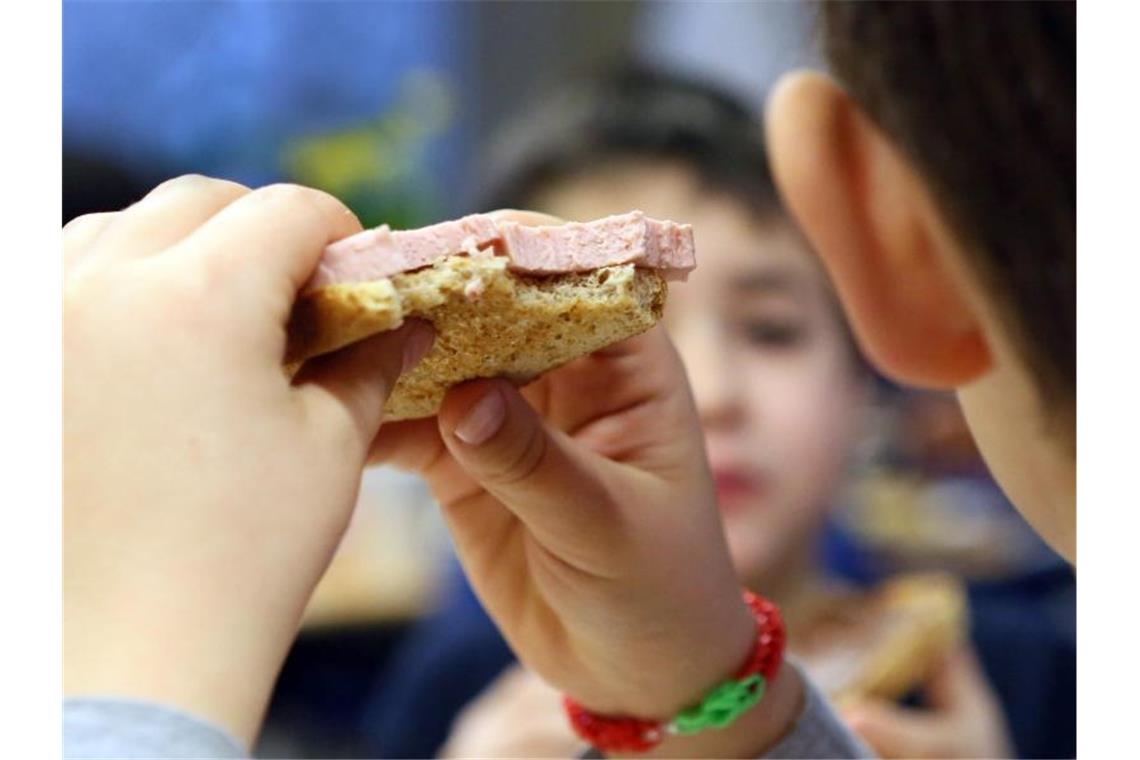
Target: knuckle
x=201, y=184
x=286, y=193
x=295, y=201
x=319, y=206
x=181, y=182
x=87, y=221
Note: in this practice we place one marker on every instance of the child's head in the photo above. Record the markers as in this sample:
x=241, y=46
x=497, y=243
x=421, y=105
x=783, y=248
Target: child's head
x=777, y=380
x=938, y=184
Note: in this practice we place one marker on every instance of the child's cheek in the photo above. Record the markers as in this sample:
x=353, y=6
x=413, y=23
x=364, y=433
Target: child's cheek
x=811, y=434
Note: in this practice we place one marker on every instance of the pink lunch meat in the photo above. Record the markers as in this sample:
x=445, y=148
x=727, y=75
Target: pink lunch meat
x=549, y=250
x=375, y=254
x=582, y=246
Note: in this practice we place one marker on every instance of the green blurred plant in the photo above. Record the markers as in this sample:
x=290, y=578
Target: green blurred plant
x=377, y=167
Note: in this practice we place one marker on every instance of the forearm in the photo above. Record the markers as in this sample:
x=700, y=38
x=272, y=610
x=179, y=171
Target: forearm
x=137, y=641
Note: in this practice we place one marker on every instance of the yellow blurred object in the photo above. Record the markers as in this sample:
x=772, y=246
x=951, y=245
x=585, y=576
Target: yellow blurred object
x=920, y=523
x=386, y=567
x=885, y=642
x=376, y=154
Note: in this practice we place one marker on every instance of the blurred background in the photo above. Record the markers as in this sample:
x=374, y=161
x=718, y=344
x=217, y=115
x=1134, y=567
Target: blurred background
x=392, y=107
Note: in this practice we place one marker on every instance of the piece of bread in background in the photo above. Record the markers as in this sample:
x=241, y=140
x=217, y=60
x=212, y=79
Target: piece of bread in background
x=886, y=642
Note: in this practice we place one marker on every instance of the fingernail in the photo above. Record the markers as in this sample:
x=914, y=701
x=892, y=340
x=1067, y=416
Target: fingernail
x=417, y=345
x=483, y=420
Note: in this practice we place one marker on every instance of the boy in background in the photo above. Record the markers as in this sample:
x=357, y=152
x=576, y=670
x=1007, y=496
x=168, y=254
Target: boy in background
x=780, y=390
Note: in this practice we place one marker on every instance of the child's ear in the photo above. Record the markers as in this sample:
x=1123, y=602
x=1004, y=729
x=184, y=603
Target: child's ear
x=869, y=215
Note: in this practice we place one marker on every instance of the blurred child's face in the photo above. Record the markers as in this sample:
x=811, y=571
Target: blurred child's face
x=773, y=376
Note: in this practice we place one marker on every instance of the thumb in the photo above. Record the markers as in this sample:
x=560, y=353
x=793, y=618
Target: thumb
x=556, y=488
x=353, y=383
x=894, y=731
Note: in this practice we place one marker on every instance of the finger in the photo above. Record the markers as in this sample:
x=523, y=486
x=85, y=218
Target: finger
x=348, y=388
x=165, y=216
x=633, y=380
x=527, y=218
x=80, y=234
x=411, y=445
x=555, y=488
x=270, y=240
x=896, y=732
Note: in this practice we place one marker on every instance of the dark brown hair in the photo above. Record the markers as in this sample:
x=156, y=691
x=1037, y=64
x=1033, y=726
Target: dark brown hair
x=981, y=97
x=636, y=112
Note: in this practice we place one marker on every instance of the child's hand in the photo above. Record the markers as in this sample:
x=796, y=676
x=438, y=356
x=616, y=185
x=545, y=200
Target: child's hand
x=204, y=493
x=518, y=715
x=584, y=514
x=964, y=718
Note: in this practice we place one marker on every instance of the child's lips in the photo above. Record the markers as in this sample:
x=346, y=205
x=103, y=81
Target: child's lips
x=736, y=489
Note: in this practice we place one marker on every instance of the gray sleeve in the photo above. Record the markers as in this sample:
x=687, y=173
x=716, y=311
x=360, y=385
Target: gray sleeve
x=818, y=732
x=122, y=728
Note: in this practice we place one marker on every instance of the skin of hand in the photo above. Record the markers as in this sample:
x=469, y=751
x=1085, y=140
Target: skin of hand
x=518, y=715
x=204, y=491
x=584, y=514
x=964, y=718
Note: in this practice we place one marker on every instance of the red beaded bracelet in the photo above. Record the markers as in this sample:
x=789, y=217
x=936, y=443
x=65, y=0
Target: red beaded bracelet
x=720, y=707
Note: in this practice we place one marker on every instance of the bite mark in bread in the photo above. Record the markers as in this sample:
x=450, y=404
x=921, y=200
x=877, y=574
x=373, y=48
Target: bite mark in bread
x=518, y=326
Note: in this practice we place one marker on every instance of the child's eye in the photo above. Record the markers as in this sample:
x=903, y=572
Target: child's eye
x=770, y=333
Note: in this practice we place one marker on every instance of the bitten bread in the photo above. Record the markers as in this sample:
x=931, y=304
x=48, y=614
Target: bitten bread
x=507, y=301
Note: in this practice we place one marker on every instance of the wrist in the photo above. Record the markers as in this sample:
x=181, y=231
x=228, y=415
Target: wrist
x=709, y=660
x=721, y=704
x=670, y=678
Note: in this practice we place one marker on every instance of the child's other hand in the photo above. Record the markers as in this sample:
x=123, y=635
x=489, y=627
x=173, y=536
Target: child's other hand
x=964, y=718
x=204, y=492
x=584, y=513
x=518, y=715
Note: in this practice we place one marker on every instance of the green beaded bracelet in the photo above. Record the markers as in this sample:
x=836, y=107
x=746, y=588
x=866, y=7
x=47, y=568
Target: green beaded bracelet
x=720, y=707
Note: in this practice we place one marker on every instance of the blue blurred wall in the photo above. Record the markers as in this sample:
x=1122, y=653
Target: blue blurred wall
x=220, y=87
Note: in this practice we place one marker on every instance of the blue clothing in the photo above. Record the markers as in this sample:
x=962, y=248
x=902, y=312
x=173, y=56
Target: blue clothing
x=1025, y=632
x=445, y=660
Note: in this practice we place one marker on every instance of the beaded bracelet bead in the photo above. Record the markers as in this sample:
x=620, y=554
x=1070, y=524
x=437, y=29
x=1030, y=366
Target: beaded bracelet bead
x=719, y=708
